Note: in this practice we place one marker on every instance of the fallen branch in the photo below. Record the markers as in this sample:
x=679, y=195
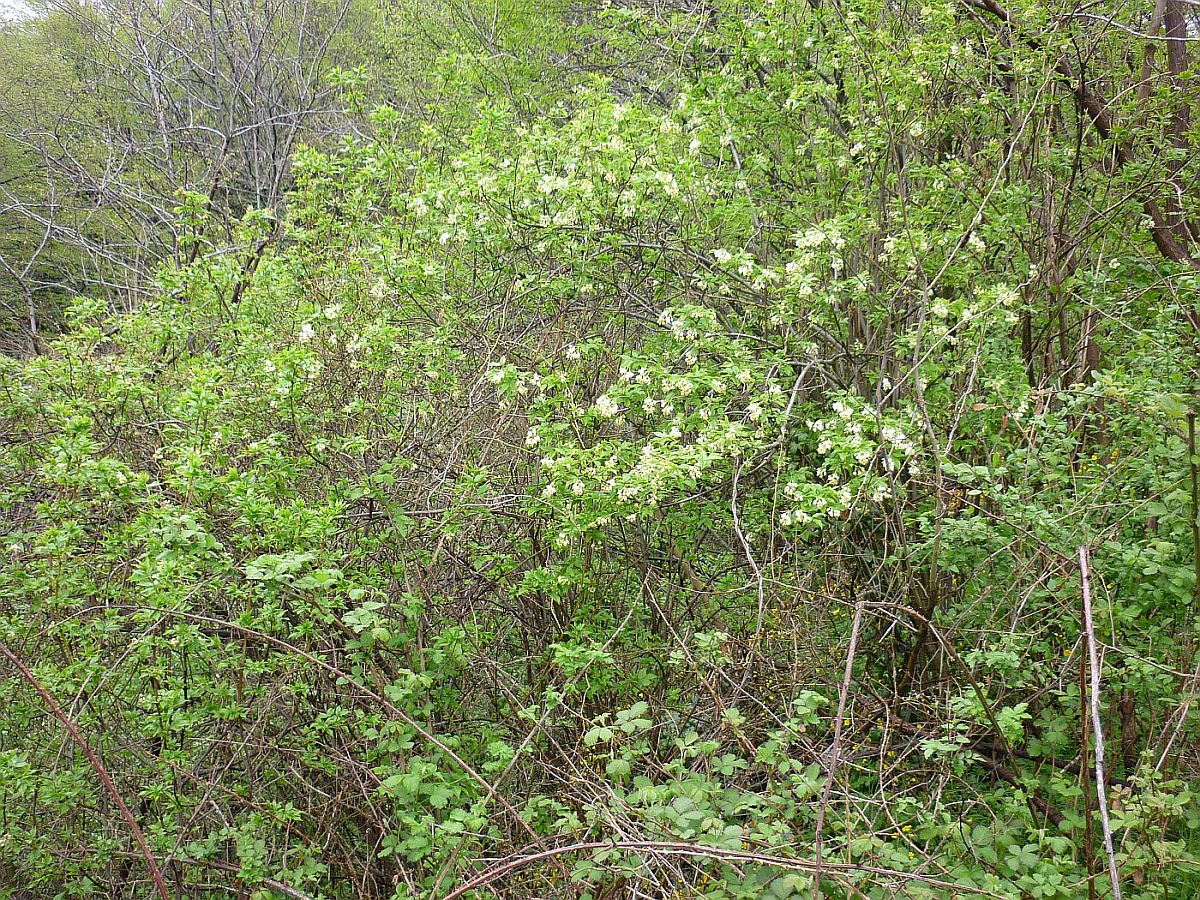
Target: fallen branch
x=679, y=848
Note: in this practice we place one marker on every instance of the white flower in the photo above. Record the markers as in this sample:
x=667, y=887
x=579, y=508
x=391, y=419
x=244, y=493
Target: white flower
x=754, y=411
x=549, y=184
x=549, y=490
x=577, y=488
x=332, y=312
x=532, y=438
x=722, y=255
x=975, y=242
x=813, y=237
x=306, y=332
x=606, y=406
x=572, y=352
x=649, y=404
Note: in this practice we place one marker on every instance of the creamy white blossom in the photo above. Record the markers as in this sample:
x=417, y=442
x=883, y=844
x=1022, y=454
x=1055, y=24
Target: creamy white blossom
x=606, y=406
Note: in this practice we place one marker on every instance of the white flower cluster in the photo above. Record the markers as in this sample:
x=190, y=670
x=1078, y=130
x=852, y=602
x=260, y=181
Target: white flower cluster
x=552, y=184
x=689, y=323
x=899, y=441
x=811, y=501
x=848, y=435
x=669, y=185
x=606, y=407
x=512, y=382
x=810, y=239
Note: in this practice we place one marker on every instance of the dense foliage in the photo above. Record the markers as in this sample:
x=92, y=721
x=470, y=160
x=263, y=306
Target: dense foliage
x=653, y=451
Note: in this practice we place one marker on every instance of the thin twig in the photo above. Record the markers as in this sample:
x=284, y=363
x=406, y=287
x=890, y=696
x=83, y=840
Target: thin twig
x=156, y=874
x=1194, y=468
x=837, y=743
x=1097, y=726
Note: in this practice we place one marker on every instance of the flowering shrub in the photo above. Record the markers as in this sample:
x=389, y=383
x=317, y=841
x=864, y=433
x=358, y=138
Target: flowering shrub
x=673, y=493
